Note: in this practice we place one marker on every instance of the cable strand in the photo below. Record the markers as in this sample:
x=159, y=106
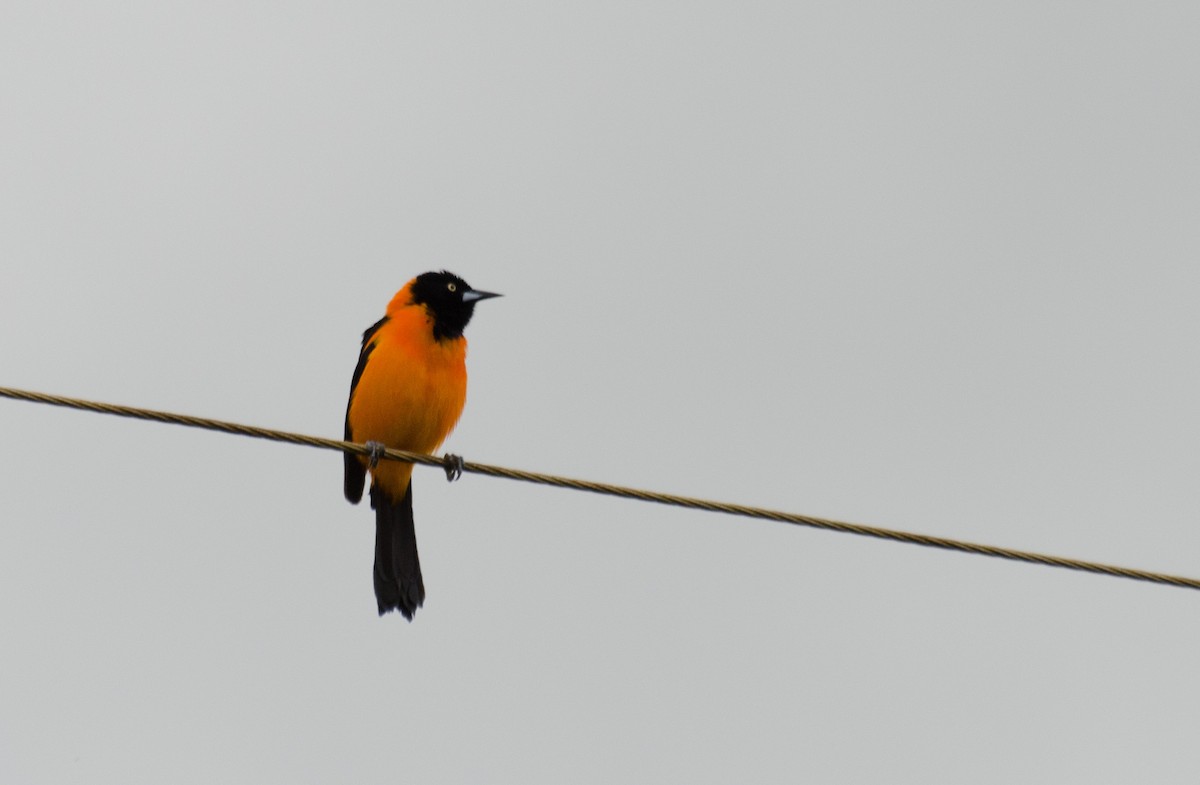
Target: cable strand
x=469, y=467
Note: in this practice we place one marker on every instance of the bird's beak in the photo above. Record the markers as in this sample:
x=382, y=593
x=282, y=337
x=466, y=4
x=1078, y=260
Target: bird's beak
x=474, y=295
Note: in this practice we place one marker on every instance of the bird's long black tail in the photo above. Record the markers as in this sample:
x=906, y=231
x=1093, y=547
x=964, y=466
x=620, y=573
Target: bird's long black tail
x=398, y=584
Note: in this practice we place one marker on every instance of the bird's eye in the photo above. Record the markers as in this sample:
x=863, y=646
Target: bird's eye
x=452, y=286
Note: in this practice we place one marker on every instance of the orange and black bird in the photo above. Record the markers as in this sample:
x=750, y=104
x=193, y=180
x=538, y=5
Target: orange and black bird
x=407, y=393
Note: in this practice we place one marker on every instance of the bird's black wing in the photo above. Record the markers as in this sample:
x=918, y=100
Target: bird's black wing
x=356, y=473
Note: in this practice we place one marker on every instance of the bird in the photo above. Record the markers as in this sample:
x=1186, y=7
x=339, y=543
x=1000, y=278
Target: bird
x=407, y=393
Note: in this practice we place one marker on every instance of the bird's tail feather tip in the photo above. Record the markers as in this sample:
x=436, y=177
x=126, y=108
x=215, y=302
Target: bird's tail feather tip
x=406, y=606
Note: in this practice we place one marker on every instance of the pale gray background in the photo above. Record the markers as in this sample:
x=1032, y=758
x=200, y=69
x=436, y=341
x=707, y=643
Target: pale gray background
x=931, y=266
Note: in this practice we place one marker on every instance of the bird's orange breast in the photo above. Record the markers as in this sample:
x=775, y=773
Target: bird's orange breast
x=410, y=394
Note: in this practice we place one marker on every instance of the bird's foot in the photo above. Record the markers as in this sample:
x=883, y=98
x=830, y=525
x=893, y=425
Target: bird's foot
x=375, y=452
x=453, y=464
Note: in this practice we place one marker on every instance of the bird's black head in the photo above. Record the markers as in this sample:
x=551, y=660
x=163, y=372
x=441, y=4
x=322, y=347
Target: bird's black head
x=449, y=299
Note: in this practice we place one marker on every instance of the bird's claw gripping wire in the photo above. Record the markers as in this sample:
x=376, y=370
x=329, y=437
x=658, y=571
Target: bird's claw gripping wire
x=375, y=451
x=453, y=464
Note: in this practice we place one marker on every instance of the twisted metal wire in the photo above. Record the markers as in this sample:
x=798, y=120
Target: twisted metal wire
x=454, y=465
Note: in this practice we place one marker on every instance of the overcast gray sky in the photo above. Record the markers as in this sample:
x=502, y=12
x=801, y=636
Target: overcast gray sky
x=931, y=266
